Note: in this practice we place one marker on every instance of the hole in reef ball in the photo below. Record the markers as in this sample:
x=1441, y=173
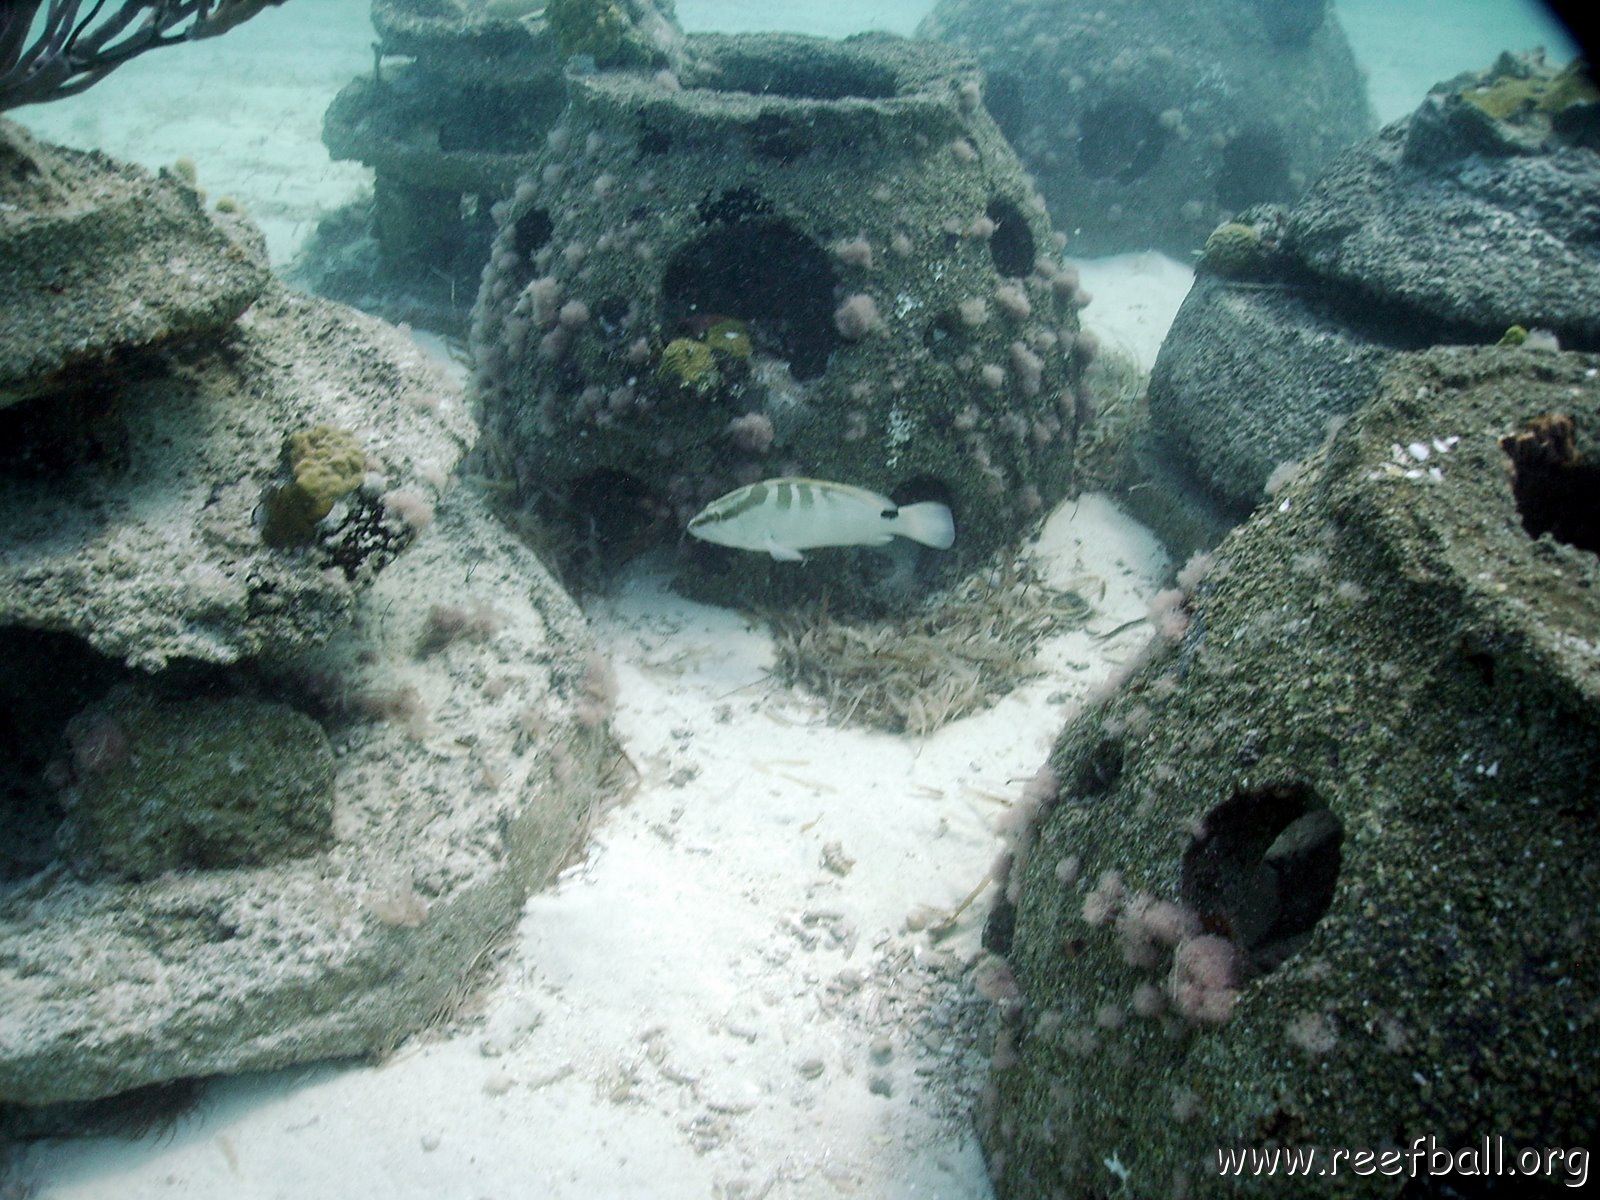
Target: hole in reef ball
x=762, y=272
x=616, y=514
x=48, y=678
x=534, y=228
x=1011, y=246
x=1100, y=769
x=1120, y=140
x=1557, y=491
x=1262, y=874
x=1254, y=169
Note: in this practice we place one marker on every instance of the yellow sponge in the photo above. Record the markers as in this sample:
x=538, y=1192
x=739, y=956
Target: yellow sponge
x=327, y=463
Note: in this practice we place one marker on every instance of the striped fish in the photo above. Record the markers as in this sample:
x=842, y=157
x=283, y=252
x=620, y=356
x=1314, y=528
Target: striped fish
x=785, y=516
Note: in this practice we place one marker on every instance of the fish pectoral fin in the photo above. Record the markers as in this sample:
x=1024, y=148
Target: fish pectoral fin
x=779, y=551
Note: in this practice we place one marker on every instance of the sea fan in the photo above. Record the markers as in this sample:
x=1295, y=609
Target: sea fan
x=55, y=48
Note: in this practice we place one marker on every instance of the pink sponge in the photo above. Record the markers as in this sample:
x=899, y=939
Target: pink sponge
x=1204, y=984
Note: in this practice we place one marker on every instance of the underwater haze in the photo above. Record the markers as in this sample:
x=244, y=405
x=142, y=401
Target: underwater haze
x=293, y=71
x=652, y=598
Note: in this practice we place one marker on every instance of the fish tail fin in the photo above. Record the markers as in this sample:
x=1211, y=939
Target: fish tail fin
x=928, y=522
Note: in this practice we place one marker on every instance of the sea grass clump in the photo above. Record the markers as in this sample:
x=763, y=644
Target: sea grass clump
x=963, y=652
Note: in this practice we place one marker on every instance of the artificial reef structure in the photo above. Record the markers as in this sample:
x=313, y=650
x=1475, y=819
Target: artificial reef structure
x=1147, y=122
x=245, y=631
x=789, y=256
x=1467, y=222
x=1320, y=872
x=460, y=99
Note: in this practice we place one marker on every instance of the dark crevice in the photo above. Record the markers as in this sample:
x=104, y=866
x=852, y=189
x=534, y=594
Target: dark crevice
x=1120, y=140
x=1100, y=769
x=1254, y=169
x=1011, y=245
x=613, y=516
x=838, y=75
x=1557, y=491
x=1262, y=872
x=48, y=679
x=768, y=276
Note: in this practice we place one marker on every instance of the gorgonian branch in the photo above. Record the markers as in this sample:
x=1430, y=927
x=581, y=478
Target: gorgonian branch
x=55, y=48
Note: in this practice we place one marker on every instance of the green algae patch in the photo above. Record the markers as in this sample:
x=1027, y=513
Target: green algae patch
x=599, y=29
x=687, y=364
x=166, y=785
x=1233, y=250
x=1514, y=91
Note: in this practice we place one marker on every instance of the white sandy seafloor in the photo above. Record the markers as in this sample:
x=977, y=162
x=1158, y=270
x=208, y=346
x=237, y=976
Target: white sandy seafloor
x=702, y=1007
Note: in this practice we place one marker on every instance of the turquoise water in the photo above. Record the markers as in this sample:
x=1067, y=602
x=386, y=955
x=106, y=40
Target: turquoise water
x=269, y=82
x=1405, y=47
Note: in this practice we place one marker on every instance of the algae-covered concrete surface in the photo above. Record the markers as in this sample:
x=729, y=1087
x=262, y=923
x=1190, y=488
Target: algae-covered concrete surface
x=216, y=782
x=801, y=257
x=464, y=774
x=1448, y=227
x=285, y=825
x=1368, y=756
x=101, y=262
x=149, y=548
x=1147, y=125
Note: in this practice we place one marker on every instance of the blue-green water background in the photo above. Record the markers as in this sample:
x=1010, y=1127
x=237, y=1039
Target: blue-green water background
x=1405, y=45
x=248, y=106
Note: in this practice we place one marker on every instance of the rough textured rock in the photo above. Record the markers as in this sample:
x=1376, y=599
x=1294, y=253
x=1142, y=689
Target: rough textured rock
x=802, y=257
x=131, y=511
x=164, y=785
x=1464, y=220
x=447, y=134
x=1147, y=123
x=102, y=263
x=1445, y=228
x=608, y=32
x=467, y=769
x=260, y=804
x=1250, y=378
x=1358, y=789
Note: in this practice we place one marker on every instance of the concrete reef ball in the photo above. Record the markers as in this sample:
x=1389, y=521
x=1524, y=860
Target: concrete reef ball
x=796, y=257
x=1320, y=873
